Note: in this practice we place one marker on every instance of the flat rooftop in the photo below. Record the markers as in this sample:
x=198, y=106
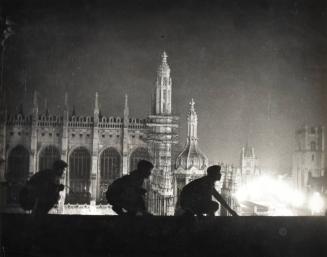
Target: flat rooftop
x=77, y=235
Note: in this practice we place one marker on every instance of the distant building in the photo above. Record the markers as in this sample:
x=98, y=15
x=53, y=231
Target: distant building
x=248, y=165
x=309, y=156
x=230, y=182
x=97, y=148
x=236, y=178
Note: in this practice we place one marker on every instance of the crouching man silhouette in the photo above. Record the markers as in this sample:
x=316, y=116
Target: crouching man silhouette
x=196, y=197
x=126, y=194
x=42, y=191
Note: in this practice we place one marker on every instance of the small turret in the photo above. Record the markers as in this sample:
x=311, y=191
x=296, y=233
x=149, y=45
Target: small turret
x=96, y=108
x=35, y=109
x=35, y=102
x=66, y=101
x=46, y=109
x=126, y=112
x=66, y=114
x=73, y=111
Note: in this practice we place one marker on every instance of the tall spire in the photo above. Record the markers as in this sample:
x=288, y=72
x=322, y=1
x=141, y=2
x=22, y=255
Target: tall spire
x=192, y=123
x=21, y=109
x=192, y=156
x=163, y=88
x=126, y=111
x=35, y=109
x=46, y=110
x=164, y=57
x=73, y=111
x=192, y=105
x=96, y=109
x=66, y=114
x=96, y=102
x=164, y=69
x=35, y=103
x=66, y=100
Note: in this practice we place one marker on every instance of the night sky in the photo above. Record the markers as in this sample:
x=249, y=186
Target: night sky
x=257, y=71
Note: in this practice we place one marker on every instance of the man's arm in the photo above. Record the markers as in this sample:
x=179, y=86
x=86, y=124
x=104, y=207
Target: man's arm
x=223, y=203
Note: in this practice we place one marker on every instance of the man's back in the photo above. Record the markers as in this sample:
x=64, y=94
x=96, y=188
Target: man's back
x=44, y=180
x=41, y=176
x=126, y=188
x=198, y=190
x=43, y=187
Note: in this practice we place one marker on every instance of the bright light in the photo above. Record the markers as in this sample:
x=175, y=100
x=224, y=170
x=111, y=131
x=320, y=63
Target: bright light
x=316, y=203
x=274, y=193
x=298, y=199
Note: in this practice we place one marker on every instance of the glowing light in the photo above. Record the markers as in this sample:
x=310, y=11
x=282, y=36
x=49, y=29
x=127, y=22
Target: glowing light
x=274, y=193
x=298, y=199
x=316, y=203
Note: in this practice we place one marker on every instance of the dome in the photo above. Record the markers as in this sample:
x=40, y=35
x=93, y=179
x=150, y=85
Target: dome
x=191, y=157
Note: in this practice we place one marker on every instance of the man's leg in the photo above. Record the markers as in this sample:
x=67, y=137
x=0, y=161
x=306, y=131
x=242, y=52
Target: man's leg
x=118, y=209
x=200, y=208
x=41, y=210
x=137, y=206
x=192, y=208
x=211, y=208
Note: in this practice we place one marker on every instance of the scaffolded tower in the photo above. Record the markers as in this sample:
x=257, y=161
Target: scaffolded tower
x=161, y=138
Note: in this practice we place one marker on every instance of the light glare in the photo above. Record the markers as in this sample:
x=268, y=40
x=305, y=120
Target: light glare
x=316, y=203
x=274, y=193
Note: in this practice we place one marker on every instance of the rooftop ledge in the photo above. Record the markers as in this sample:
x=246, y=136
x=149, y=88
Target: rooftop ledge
x=74, y=235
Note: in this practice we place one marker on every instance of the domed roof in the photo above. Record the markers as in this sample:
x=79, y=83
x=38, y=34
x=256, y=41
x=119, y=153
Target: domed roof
x=191, y=157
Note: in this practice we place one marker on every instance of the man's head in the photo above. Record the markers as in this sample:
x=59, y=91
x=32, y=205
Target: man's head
x=214, y=172
x=144, y=168
x=59, y=167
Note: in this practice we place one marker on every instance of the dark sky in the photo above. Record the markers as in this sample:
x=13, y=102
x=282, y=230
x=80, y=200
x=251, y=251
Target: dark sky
x=256, y=70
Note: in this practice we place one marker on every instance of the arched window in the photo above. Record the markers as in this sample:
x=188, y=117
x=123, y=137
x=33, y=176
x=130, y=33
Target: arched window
x=17, y=172
x=48, y=156
x=110, y=164
x=79, y=176
x=109, y=170
x=138, y=154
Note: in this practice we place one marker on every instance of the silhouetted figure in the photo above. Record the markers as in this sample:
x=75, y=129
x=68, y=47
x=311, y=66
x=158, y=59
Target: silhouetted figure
x=126, y=194
x=41, y=192
x=196, y=197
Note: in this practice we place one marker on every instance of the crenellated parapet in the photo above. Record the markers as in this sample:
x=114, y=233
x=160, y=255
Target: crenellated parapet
x=75, y=121
x=80, y=121
x=111, y=122
x=42, y=120
x=19, y=120
x=50, y=121
x=118, y=122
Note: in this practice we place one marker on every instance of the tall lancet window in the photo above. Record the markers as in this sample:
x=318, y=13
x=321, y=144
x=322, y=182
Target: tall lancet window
x=138, y=154
x=17, y=173
x=109, y=170
x=165, y=100
x=79, y=176
x=48, y=156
